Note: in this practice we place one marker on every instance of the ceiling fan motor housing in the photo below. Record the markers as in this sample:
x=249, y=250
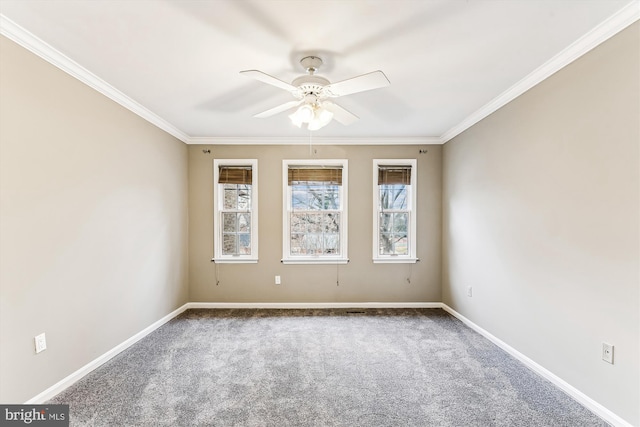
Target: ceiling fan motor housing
x=311, y=85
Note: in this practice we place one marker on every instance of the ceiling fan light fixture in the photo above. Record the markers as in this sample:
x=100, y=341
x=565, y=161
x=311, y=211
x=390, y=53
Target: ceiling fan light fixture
x=314, y=116
x=324, y=115
x=321, y=118
x=295, y=119
x=304, y=114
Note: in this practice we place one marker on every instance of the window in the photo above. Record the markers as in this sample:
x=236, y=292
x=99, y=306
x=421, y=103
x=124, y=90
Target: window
x=394, y=201
x=235, y=221
x=315, y=211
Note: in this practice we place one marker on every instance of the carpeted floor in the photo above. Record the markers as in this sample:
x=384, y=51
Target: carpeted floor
x=373, y=367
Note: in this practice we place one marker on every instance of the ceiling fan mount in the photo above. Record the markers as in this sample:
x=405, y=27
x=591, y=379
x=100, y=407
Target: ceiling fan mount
x=312, y=93
x=311, y=63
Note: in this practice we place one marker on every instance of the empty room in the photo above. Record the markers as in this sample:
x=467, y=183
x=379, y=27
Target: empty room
x=320, y=213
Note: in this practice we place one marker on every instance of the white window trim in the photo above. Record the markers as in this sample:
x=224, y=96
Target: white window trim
x=286, y=217
x=411, y=257
x=217, y=226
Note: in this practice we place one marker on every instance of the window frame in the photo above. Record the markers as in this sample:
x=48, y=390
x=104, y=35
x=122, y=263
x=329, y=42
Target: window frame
x=218, y=198
x=287, y=257
x=411, y=256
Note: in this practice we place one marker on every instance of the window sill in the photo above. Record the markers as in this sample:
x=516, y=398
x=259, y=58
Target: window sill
x=318, y=260
x=395, y=260
x=235, y=260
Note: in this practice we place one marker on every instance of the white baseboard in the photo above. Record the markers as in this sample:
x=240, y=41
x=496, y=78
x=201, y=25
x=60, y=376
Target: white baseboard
x=71, y=379
x=77, y=375
x=303, y=305
x=586, y=401
x=576, y=394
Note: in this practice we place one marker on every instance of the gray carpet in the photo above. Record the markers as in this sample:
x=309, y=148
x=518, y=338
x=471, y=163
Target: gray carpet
x=374, y=367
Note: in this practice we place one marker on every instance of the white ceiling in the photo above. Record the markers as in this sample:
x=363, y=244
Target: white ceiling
x=176, y=63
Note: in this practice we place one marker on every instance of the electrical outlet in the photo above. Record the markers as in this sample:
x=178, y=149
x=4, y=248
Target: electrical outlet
x=277, y=280
x=41, y=343
x=469, y=291
x=607, y=352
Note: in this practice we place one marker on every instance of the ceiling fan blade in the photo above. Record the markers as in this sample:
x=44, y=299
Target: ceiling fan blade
x=279, y=109
x=266, y=78
x=340, y=114
x=373, y=80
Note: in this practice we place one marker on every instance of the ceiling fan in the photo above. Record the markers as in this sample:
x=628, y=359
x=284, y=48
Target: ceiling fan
x=313, y=92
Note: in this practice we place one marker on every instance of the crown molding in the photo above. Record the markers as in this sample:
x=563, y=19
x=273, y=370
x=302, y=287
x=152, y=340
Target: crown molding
x=604, y=31
x=24, y=38
x=45, y=51
x=607, y=29
x=288, y=140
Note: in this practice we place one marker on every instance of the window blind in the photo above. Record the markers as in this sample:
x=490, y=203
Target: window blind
x=388, y=175
x=235, y=175
x=332, y=175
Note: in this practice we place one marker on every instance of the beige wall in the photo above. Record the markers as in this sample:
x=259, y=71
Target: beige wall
x=536, y=207
x=360, y=280
x=541, y=208
x=93, y=230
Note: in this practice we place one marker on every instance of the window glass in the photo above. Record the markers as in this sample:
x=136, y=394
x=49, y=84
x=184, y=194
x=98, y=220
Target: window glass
x=235, y=221
x=394, y=216
x=315, y=224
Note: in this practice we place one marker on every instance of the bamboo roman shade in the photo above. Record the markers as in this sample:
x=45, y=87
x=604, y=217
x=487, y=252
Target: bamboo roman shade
x=389, y=175
x=235, y=175
x=332, y=175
